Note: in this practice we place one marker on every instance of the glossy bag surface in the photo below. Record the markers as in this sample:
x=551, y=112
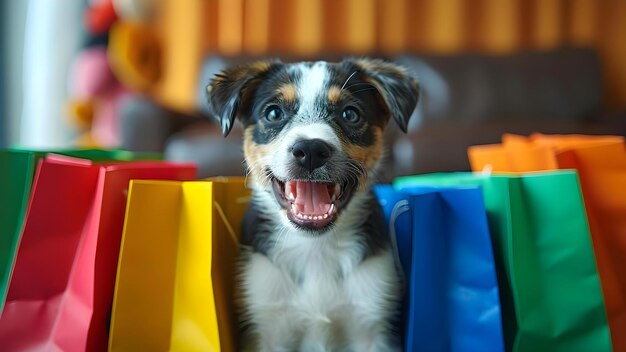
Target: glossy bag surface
x=451, y=299
x=550, y=290
x=175, y=282
x=60, y=293
x=601, y=165
x=17, y=169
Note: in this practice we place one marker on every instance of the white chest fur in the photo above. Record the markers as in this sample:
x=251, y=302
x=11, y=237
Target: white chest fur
x=318, y=294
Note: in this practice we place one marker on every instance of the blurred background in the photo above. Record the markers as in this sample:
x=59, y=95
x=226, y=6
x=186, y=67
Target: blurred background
x=132, y=73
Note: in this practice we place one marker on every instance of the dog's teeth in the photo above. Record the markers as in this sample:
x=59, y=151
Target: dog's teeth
x=300, y=216
x=332, y=208
x=291, y=196
x=337, y=188
x=333, y=198
x=325, y=216
x=294, y=208
x=310, y=217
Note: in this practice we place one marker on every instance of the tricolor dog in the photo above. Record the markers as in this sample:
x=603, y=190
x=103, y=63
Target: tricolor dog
x=317, y=269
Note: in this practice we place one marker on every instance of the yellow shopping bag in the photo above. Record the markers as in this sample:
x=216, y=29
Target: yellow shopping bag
x=174, y=289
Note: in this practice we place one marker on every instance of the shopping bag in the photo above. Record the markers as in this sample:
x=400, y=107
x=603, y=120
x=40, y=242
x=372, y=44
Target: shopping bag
x=175, y=279
x=601, y=164
x=550, y=290
x=16, y=174
x=537, y=152
x=61, y=289
x=93, y=154
x=17, y=168
x=451, y=301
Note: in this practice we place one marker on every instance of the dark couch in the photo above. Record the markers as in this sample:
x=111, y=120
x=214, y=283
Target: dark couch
x=466, y=100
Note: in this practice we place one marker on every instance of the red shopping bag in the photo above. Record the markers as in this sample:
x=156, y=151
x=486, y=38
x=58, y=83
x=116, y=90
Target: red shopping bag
x=61, y=290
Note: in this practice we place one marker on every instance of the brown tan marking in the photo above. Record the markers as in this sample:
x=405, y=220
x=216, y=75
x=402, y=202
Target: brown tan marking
x=376, y=65
x=238, y=72
x=287, y=92
x=254, y=154
x=252, y=68
x=334, y=94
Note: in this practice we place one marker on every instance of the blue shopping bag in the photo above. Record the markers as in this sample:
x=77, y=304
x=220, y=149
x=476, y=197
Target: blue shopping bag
x=444, y=249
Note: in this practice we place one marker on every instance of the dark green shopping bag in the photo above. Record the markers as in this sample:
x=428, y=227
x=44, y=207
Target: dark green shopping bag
x=17, y=169
x=551, y=294
x=96, y=155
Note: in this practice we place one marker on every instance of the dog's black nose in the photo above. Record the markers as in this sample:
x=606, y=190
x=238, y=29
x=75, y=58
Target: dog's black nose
x=311, y=153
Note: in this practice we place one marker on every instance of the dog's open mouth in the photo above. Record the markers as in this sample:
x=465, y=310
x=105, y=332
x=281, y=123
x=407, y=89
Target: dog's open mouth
x=313, y=205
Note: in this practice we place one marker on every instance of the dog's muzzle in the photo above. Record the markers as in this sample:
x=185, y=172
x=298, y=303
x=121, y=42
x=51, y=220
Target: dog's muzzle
x=310, y=203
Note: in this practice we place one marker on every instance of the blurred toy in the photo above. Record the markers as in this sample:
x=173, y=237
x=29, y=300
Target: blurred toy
x=99, y=17
x=121, y=55
x=97, y=98
x=134, y=51
x=134, y=54
x=135, y=10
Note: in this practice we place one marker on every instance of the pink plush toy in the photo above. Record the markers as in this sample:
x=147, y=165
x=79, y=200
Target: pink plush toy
x=97, y=98
x=96, y=93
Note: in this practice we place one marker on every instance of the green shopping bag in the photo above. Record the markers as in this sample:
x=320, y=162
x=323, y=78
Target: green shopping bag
x=16, y=176
x=94, y=154
x=550, y=290
x=17, y=169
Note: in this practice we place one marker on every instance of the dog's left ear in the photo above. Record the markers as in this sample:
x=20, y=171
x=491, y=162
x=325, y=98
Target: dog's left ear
x=398, y=89
x=231, y=90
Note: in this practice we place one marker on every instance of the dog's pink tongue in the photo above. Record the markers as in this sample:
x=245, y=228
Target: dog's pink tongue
x=312, y=198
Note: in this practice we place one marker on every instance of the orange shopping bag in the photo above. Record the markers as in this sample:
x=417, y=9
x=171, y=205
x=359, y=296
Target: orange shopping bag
x=538, y=152
x=601, y=165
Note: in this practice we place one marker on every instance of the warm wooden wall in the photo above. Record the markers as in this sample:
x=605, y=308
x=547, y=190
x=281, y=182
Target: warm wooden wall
x=192, y=29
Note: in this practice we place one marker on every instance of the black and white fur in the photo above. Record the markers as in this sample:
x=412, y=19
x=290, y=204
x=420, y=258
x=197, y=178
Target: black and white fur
x=328, y=284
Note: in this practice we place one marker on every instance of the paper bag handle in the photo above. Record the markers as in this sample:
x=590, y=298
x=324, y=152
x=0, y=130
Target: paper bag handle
x=399, y=208
x=222, y=215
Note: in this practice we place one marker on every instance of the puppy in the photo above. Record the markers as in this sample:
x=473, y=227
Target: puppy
x=317, y=270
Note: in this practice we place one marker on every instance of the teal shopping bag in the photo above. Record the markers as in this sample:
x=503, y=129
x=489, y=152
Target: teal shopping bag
x=17, y=169
x=451, y=298
x=550, y=290
x=16, y=177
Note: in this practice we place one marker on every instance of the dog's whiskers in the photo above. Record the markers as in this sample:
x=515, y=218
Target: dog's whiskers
x=261, y=174
x=282, y=234
x=364, y=89
x=360, y=84
x=347, y=80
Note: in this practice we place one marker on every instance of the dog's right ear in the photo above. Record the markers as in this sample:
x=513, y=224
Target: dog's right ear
x=231, y=90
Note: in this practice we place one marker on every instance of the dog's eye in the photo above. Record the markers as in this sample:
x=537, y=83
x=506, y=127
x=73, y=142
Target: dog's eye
x=273, y=114
x=351, y=115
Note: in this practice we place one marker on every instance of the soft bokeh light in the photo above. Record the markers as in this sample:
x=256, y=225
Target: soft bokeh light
x=176, y=37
